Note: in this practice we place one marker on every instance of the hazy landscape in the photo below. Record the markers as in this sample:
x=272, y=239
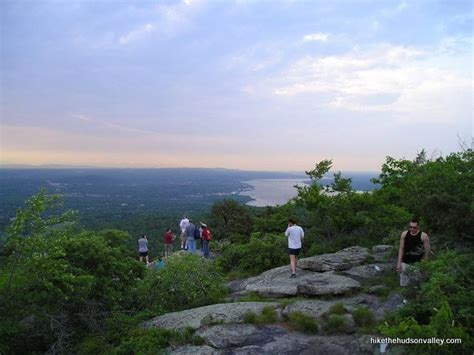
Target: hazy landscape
x=111, y=195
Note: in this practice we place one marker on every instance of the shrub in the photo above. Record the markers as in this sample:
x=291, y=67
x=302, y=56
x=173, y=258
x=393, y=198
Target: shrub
x=337, y=308
x=261, y=253
x=335, y=324
x=269, y=315
x=251, y=317
x=186, y=281
x=363, y=317
x=301, y=322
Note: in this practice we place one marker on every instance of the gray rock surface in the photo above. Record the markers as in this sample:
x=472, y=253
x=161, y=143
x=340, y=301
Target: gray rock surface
x=207, y=315
x=363, y=272
x=277, y=283
x=233, y=335
x=194, y=350
x=342, y=260
x=316, y=308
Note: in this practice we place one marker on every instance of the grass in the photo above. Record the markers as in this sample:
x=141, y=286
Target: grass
x=268, y=315
x=337, y=308
x=303, y=323
x=335, y=324
x=363, y=317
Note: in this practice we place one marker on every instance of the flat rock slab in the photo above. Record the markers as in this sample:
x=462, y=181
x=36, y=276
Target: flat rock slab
x=342, y=260
x=363, y=272
x=233, y=335
x=214, y=314
x=277, y=283
x=316, y=308
x=290, y=343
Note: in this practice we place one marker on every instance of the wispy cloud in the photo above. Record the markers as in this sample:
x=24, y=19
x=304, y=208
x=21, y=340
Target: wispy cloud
x=385, y=78
x=319, y=37
x=136, y=34
x=81, y=117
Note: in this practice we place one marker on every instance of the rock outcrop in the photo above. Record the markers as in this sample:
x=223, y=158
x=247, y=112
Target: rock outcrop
x=223, y=327
x=214, y=314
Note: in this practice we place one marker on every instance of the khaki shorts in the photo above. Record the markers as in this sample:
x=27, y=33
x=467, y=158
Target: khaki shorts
x=183, y=238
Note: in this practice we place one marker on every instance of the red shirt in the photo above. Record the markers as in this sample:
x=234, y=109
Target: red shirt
x=168, y=237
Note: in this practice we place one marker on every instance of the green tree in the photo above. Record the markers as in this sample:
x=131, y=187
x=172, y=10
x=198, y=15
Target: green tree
x=229, y=219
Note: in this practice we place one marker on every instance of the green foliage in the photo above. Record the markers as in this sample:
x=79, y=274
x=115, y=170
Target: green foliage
x=56, y=283
x=261, y=253
x=363, y=317
x=268, y=315
x=443, y=307
x=337, y=308
x=303, y=323
x=187, y=281
x=229, y=219
x=341, y=184
x=336, y=323
x=251, y=318
x=439, y=191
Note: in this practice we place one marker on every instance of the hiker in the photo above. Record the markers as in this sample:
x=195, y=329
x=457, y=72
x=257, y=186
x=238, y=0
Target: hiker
x=197, y=237
x=190, y=241
x=206, y=237
x=182, y=225
x=414, y=246
x=295, y=236
x=168, y=238
x=143, y=248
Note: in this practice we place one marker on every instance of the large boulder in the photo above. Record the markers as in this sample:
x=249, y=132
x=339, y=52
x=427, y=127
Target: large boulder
x=342, y=260
x=363, y=272
x=214, y=314
x=277, y=283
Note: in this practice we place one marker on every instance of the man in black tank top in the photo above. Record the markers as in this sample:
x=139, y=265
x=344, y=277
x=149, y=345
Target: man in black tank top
x=414, y=246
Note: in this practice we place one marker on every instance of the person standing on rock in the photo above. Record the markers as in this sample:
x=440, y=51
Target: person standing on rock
x=168, y=239
x=295, y=236
x=143, y=248
x=206, y=237
x=182, y=225
x=190, y=241
x=414, y=246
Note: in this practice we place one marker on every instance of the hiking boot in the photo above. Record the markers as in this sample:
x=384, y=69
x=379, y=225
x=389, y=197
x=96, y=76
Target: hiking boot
x=293, y=276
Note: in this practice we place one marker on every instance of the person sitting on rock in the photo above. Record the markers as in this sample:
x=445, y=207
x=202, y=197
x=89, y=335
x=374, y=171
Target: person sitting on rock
x=414, y=246
x=295, y=236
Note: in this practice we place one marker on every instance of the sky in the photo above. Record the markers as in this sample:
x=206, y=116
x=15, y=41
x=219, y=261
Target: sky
x=253, y=85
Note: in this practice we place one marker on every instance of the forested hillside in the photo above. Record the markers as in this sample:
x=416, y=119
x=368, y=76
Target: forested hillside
x=67, y=289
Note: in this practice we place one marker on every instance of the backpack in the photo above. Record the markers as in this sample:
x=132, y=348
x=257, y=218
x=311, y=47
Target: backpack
x=197, y=233
x=206, y=235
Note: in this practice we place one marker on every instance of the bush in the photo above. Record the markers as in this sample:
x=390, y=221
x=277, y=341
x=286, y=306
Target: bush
x=301, y=322
x=363, y=317
x=337, y=308
x=269, y=315
x=261, y=253
x=186, y=281
x=335, y=324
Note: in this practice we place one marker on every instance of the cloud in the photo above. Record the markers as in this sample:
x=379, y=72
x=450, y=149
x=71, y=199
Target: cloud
x=319, y=37
x=81, y=117
x=408, y=82
x=136, y=34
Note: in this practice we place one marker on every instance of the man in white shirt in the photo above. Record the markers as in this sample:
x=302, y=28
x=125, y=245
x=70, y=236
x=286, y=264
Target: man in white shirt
x=183, y=225
x=295, y=236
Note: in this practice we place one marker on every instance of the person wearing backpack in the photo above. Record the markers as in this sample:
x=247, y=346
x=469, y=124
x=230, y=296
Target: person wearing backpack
x=206, y=237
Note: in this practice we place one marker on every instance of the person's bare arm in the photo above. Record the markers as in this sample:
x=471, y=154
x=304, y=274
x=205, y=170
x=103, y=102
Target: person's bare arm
x=426, y=245
x=400, y=250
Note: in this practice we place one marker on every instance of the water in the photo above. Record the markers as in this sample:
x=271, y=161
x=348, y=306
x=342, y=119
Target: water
x=271, y=192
